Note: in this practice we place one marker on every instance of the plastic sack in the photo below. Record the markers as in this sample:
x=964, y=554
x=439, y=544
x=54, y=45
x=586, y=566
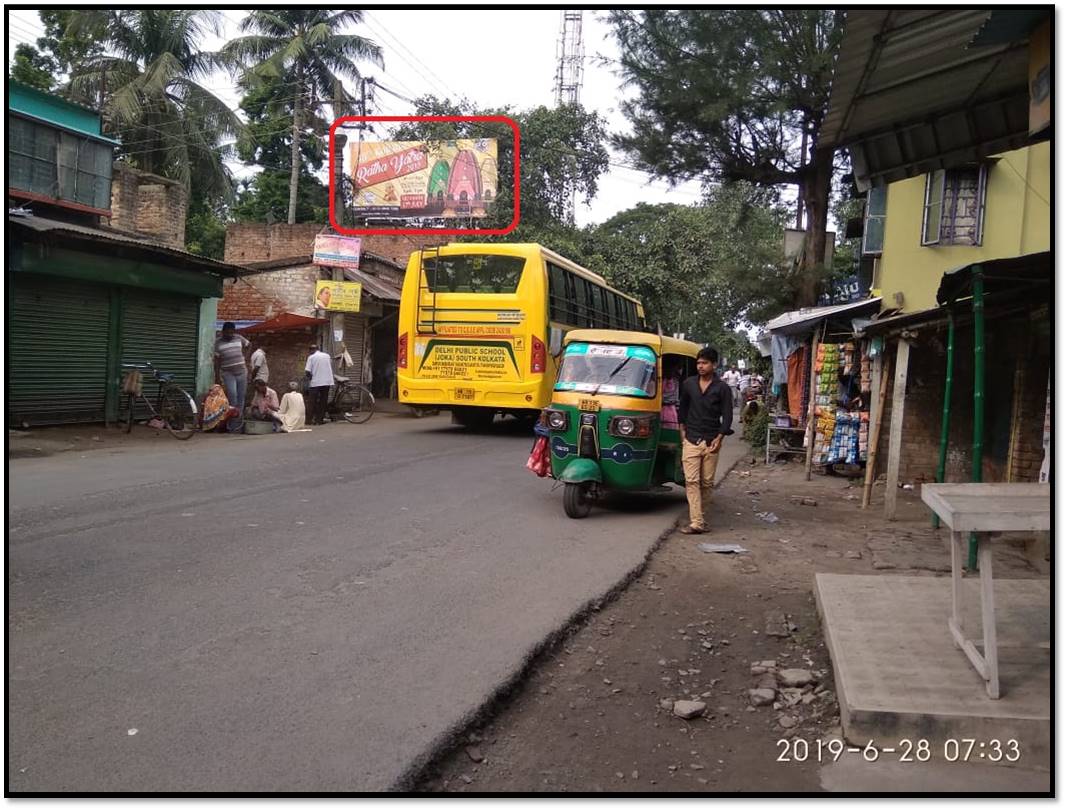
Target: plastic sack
x=539, y=461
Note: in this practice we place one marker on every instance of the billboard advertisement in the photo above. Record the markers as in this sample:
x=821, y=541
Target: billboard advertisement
x=446, y=179
x=337, y=251
x=338, y=296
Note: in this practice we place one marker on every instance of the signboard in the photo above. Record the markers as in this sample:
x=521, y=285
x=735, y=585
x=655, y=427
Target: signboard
x=447, y=179
x=845, y=290
x=466, y=360
x=1040, y=79
x=338, y=296
x=337, y=251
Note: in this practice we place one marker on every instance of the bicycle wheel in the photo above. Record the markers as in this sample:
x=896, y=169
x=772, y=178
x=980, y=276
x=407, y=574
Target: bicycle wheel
x=178, y=412
x=362, y=404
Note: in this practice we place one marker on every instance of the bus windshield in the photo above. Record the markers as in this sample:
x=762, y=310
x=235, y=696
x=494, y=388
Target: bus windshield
x=606, y=369
x=474, y=273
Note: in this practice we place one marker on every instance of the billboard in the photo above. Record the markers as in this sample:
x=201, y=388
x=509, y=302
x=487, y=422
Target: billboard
x=338, y=296
x=411, y=179
x=337, y=251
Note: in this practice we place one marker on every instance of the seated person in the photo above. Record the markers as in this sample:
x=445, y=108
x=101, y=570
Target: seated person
x=671, y=392
x=265, y=404
x=292, y=411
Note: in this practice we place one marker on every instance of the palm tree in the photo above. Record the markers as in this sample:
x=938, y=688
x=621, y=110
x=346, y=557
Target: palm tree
x=304, y=44
x=148, y=83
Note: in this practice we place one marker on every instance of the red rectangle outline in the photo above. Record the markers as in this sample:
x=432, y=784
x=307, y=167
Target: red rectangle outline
x=497, y=119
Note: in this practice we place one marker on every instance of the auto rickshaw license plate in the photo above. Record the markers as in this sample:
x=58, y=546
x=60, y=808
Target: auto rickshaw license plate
x=589, y=405
x=464, y=393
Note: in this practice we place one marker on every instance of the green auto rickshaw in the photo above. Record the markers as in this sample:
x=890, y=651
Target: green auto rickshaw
x=607, y=425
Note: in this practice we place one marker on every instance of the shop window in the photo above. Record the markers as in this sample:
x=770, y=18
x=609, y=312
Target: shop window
x=873, y=232
x=954, y=206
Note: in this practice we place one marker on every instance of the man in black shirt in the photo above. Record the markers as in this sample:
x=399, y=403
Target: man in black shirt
x=706, y=416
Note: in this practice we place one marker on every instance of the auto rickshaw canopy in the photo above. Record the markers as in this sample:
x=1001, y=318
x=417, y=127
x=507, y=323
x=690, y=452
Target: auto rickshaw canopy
x=660, y=344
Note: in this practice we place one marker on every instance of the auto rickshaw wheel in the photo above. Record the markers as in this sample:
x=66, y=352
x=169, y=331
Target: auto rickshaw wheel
x=576, y=500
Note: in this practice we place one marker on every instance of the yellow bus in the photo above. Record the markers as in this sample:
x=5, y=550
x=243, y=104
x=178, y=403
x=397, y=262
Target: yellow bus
x=481, y=325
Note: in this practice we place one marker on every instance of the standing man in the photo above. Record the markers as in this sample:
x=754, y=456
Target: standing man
x=260, y=370
x=706, y=415
x=319, y=372
x=231, y=370
x=732, y=379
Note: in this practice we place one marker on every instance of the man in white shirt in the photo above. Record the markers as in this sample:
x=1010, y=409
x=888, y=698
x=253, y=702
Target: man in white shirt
x=319, y=372
x=732, y=378
x=260, y=370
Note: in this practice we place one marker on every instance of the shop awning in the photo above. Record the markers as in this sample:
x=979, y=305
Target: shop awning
x=285, y=322
x=914, y=90
x=801, y=321
x=1000, y=275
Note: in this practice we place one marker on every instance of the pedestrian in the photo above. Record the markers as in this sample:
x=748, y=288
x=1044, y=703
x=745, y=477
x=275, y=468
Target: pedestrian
x=292, y=410
x=706, y=415
x=265, y=404
x=231, y=370
x=732, y=379
x=319, y=373
x=260, y=370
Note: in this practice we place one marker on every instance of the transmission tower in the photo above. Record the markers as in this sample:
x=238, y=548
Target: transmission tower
x=570, y=53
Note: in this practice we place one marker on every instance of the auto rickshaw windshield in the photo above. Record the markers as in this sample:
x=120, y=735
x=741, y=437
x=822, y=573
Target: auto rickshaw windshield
x=608, y=369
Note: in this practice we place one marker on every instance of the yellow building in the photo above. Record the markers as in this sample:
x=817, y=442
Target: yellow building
x=948, y=219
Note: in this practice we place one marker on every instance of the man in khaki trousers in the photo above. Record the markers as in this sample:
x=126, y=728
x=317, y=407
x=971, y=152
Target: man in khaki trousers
x=706, y=417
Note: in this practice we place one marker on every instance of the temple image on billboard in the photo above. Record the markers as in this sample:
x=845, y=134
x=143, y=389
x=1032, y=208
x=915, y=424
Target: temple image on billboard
x=406, y=179
x=464, y=187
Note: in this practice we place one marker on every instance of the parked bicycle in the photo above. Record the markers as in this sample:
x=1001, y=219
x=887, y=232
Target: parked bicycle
x=352, y=401
x=173, y=405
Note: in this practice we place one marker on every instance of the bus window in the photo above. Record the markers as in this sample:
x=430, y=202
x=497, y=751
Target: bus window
x=474, y=273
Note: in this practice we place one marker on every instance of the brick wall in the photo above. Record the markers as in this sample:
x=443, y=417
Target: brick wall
x=147, y=204
x=286, y=355
x=242, y=300
x=1010, y=342
x=248, y=242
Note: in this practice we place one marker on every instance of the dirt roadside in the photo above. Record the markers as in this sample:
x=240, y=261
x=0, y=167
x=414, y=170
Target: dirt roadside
x=596, y=712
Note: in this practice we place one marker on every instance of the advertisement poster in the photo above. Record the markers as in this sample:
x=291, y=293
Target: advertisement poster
x=447, y=179
x=338, y=296
x=337, y=251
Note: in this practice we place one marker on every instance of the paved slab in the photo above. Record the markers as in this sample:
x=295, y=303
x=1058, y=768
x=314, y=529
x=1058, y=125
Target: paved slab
x=899, y=675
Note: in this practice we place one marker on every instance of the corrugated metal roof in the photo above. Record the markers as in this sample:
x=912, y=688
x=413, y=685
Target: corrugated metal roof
x=910, y=94
x=800, y=320
x=375, y=285
x=103, y=234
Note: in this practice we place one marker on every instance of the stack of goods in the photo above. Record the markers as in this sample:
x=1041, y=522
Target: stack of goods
x=824, y=428
x=864, y=379
x=844, y=446
x=864, y=435
x=826, y=385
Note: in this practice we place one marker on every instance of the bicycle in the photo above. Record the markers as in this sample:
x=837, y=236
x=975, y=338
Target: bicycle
x=352, y=400
x=174, y=407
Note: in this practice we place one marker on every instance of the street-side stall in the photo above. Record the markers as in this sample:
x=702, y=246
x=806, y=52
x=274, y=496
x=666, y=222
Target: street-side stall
x=822, y=378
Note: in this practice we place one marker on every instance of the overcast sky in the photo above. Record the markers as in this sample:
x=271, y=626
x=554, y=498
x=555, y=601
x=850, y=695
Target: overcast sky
x=513, y=63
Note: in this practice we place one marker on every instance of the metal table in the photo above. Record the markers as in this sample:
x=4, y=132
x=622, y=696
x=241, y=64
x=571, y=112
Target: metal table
x=983, y=508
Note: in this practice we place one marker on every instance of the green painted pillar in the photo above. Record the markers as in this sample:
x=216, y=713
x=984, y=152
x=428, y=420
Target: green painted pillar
x=945, y=418
x=978, y=392
x=205, y=360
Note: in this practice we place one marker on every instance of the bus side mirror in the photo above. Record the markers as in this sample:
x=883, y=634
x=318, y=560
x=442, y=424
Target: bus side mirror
x=555, y=341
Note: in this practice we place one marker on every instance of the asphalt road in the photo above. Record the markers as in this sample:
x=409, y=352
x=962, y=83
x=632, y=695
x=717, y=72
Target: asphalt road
x=304, y=612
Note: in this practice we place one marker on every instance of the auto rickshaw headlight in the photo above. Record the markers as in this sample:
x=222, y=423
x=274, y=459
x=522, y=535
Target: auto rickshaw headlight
x=557, y=420
x=625, y=426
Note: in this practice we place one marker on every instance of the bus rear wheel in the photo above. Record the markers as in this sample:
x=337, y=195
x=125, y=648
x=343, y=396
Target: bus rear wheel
x=474, y=418
x=577, y=502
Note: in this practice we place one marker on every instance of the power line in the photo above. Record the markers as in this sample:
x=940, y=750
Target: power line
x=398, y=46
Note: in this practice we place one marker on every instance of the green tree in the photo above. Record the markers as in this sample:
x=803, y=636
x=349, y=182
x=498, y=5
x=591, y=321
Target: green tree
x=704, y=270
x=735, y=94
x=265, y=198
x=32, y=67
x=304, y=47
x=205, y=228
x=150, y=75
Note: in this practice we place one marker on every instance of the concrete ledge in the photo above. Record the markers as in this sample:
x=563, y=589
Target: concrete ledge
x=899, y=674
